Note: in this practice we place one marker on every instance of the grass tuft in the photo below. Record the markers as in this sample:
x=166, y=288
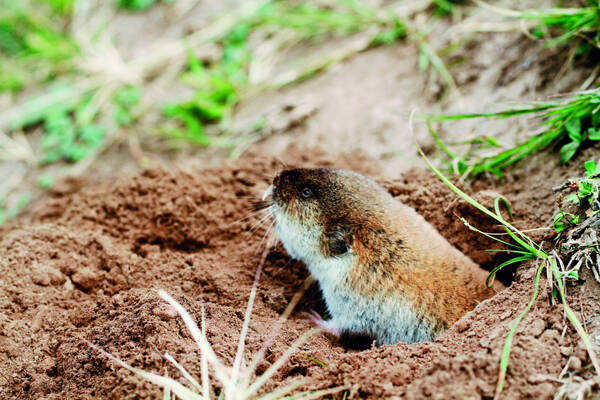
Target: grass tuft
x=34, y=43
x=236, y=382
x=529, y=250
x=562, y=26
x=569, y=123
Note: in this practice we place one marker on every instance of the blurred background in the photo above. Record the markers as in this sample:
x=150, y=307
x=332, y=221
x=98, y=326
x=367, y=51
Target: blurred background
x=93, y=89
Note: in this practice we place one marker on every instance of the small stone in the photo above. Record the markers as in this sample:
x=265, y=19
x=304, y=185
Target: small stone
x=86, y=278
x=537, y=327
x=539, y=378
x=485, y=342
x=550, y=335
x=45, y=275
x=566, y=351
x=68, y=286
x=38, y=319
x=462, y=325
x=506, y=314
x=574, y=363
x=165, y=312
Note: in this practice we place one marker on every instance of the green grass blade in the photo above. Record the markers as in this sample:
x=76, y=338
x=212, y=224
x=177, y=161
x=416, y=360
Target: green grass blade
x=489, y=281
x=511, y=334
x=469, y=199
x=572, y=317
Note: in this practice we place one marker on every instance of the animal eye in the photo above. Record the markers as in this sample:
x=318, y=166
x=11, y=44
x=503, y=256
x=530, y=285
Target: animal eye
x=306, y=193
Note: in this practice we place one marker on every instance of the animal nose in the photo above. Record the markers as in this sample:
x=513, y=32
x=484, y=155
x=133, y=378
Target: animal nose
x=268, y=193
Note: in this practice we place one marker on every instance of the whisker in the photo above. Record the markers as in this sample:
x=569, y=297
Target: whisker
x=261, y=204
x=252, y=214
x=282, y=162
x=267, y=232
x=268, y=176
x=258, y=225
x=272, y=239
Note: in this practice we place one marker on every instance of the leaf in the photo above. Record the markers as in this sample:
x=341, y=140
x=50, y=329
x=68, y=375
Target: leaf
x=423, y=61
x=92, y=134
x=594, y=134
x=492, y=275
x=137, y=5
x=572, y=198
x=590, y=168
x=585, y=189
x=563, y=219
x=572, y=274
x=568, y=151
x=573, y=126
x=492, y=141
x=46, y=181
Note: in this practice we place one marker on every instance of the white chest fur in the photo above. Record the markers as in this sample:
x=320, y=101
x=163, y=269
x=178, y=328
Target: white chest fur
x=389, y=319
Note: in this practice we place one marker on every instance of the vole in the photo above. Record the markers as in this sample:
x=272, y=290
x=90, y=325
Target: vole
x=385, y=273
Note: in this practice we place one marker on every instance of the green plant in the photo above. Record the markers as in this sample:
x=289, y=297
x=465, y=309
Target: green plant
x=46, y=181
x=525, y=250
x=217, y=89
x=8, y=213
x=219, y=86
x=125, y=100
x=33, y=47
x=560, y=26
x=576, y=221
x=68, y=135
x=569, y=123
x=445, y=7
x=60, y=7
x=136, y=5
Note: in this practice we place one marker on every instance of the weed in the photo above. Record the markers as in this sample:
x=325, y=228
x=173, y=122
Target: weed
x=570, y=123
x=562, y=26
x=577, y=220
x=59, y=7
x=217, y=89
x=69, y=134
x=525, y=249
x=445, y=7
x=125, y=100
x=316, y=361
x=46, y=181
x=10, y=212
x=33, y=47
x=311, y=21
x=136, y=5
x=236, y=382
x=219, y=86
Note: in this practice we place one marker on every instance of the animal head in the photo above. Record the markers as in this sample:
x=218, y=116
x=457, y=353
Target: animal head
x=319, y=210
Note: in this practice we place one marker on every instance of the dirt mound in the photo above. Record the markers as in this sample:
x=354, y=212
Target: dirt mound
x=87, y=264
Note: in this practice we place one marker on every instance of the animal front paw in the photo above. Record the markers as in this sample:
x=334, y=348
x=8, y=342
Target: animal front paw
x=329, y=326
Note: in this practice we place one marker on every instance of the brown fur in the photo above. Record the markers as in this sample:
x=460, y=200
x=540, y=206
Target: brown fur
x=397, y=250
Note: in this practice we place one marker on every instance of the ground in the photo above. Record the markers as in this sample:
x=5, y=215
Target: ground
x=85, y=261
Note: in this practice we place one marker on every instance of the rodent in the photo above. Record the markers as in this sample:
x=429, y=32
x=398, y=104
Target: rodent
x=384, y=272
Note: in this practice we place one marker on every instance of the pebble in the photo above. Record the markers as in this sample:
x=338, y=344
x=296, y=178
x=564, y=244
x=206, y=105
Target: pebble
x=86, y=278
x=165, y=312
x=45, y=275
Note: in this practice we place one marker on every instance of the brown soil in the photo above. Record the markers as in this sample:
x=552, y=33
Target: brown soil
x=87, y=263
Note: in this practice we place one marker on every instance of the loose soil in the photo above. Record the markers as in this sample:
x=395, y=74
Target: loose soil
x=87, y=263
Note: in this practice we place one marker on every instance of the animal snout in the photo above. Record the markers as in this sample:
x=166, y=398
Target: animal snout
x=268, y=194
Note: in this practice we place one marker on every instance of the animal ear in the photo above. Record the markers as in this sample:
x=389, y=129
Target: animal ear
x=337, y=241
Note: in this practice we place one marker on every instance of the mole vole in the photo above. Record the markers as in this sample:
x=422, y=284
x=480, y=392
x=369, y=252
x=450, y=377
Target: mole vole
x=385, y=273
